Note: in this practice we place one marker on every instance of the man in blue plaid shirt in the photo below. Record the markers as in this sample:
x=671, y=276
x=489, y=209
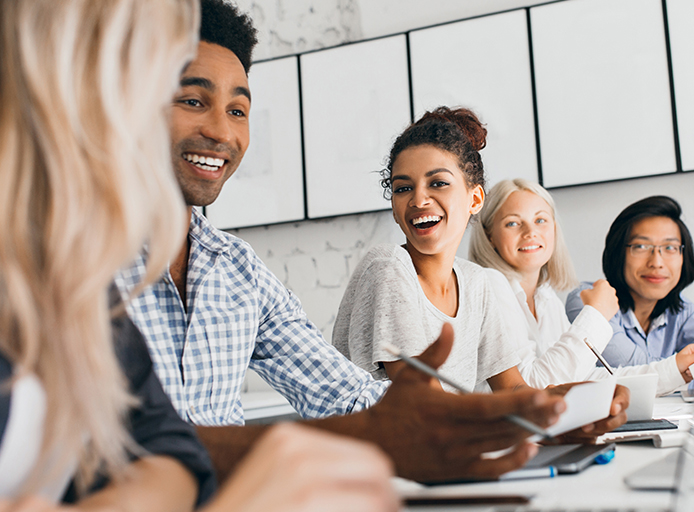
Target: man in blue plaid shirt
x=219, y=310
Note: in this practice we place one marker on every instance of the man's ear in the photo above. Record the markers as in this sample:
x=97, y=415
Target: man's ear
x=477, y=200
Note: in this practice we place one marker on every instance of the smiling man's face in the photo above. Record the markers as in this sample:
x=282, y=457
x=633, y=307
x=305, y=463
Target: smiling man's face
x=209, y=123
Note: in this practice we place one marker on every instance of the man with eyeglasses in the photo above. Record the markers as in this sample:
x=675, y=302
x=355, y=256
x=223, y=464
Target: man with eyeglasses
x=648, y=259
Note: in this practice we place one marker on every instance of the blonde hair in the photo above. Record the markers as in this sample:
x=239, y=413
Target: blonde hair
x=85, y=181
x=558, y=271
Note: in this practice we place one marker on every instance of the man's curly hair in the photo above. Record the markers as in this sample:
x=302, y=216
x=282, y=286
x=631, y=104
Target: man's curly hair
x=223, y=24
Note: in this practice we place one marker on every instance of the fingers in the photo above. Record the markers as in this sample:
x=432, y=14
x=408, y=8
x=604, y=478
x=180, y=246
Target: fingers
x=617, y=417
x=30, y=504
x=602, y=297
x=490, y=469
x=620, y=401
x=533, y=404
x=684, y=359
x=294, y=467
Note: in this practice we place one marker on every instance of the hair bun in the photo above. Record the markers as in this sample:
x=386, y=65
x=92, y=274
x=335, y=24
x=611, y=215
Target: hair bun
x=466, y=120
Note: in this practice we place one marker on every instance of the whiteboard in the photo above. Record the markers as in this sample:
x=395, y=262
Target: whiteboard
x=680, y=18
x=482, y=64
x=603, y=93
x=267, y=187
x=355, y=102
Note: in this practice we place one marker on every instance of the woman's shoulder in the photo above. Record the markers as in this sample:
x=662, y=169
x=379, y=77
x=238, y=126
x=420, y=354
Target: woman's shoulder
x=687, y=306
x=473, y=274
x=575, y=294
x=471, y=268
x=385, y=256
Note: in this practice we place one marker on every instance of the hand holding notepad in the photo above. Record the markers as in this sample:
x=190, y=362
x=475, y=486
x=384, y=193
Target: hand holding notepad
x=585, y=403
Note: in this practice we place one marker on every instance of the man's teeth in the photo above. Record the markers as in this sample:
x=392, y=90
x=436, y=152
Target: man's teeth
x=428, y=218
x=529, y=248
x=207, y=163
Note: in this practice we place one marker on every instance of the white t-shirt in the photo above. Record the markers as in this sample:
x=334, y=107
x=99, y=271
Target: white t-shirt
x=384, y=303
x=552, y=349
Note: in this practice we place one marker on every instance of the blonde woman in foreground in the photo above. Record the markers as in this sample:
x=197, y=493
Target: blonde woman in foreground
x=85, y=180
x=519, y=238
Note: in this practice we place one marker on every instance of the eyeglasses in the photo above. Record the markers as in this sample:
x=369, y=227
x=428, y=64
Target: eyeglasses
x=666, y=251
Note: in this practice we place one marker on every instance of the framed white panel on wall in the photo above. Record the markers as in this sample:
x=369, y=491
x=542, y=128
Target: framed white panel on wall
x=482, y=64
x=355, y=102
x=267, y=187
x=603, y=91
x=680, y=18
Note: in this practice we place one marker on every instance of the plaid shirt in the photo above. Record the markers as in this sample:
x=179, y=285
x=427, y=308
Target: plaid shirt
x=238, y=315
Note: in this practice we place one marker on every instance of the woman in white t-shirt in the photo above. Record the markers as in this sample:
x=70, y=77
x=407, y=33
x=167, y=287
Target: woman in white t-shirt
x=519, y=240
x=404, y=294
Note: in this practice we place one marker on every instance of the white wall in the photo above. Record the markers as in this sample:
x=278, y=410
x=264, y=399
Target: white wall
x=315, y=258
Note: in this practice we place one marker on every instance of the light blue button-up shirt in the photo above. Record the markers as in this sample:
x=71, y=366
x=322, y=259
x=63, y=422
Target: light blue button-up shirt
x=630, y=345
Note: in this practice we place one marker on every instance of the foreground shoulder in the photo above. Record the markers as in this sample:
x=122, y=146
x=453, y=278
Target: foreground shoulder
x=496, y=278
x=470, y=271
x=385, y=257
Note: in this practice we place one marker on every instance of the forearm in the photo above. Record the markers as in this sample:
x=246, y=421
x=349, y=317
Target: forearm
x=508, y=379
x=569, y=359
x=227, y=445
x=151, y=483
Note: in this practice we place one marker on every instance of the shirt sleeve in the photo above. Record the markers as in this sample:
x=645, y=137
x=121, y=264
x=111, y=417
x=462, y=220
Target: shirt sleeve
x=154, y=424
x=669, y=376
x=685, y=336
x=621, y=350
x=5, y=394
x=574, y=303
x=496, y=351
x=293, y=357
x=567, y=359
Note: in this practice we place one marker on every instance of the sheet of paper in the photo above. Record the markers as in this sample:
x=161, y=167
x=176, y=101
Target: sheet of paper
x=585, y=403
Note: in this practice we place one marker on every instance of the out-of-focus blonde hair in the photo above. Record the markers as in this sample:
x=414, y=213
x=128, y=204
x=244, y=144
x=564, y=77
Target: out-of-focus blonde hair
x=558, y=271
x=85, y=181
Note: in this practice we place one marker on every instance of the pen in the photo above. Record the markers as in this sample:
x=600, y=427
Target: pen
x=599, y=356
x=416, y=363
x=545, y=472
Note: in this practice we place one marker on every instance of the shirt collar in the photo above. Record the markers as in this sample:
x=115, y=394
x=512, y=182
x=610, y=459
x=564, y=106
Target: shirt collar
x=541, y=292
x=518, y=289
x=206, y=234
x=632, y=322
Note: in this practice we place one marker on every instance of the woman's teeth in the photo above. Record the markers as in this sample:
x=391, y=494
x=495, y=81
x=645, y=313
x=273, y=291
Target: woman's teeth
x=426, y=222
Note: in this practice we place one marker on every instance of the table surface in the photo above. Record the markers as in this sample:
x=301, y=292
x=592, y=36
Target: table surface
x=598, y=486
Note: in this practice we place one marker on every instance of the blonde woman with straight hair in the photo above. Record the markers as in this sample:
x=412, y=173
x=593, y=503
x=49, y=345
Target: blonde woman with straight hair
x=519, y=239
x=85, y=182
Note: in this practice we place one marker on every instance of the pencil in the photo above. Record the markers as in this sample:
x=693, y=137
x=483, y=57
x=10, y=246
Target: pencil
x=424, y=368
x=599, y=356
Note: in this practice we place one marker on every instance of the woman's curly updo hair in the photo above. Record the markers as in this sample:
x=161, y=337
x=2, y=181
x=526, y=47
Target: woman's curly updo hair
x=457, y=131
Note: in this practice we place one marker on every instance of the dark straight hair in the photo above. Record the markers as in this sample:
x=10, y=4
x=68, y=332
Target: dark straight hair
x=614, y=255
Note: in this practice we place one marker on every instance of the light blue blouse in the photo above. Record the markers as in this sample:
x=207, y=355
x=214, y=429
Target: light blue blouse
x=630, y=345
